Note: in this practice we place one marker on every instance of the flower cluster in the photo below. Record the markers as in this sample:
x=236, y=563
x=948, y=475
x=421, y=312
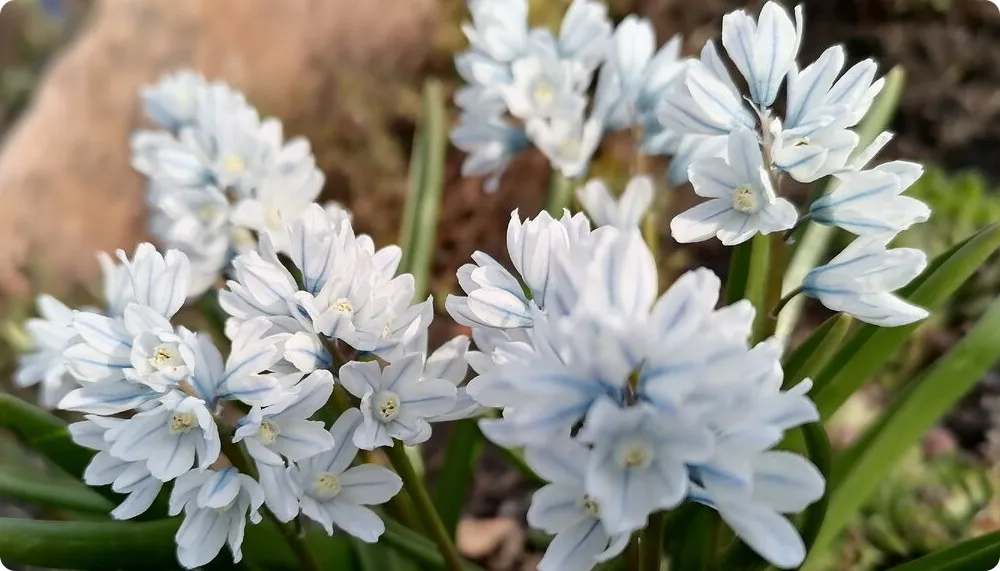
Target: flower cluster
x=218, y=174
x=310, y=303
x=627, y=401
x=747, y=151
x=529, y=86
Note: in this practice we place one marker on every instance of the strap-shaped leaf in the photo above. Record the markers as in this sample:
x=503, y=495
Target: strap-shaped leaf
x=864, y=466
x=455, y=478
x=89, y=545
x=44, y=433
x=816, y=351
x=62, y=493
x=978, y=554
x=420, y=215
x=871, y=347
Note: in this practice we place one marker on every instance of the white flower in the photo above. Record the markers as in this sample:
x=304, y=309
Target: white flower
x=763, y=51
x=396, y=401
x=281, y=494
x=860, y=279
x=564, y=509
x=279, y=199
x=242, y=377
x=448, y=362
x=870, y=202
x=568, y=143
x=624, y=213
x=283, y=429
x=818, y=100
x=490, y=143
x=333, y=493
x=172, y=101
x=116, y=285
x=125, y=477
x=781, y=483
x=742, y=198
x=499, y=28
x=169, y=437
x=215, y=505
x=543, y=87
x=159, y=281
x=51, y=334
x=810, y=157
x=637, y=465
x=495, y=297
x=584, y=33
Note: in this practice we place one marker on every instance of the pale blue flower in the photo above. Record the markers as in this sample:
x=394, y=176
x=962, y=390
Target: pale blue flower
x=396, y=401
x=781, y=483
x=638, y=463
x=860, y=280
x=215, y=505
x=624, y=212
x=563, y=508
x=335, y=494
x=569, y=144
x=870, y=202
x=172, y=101
x=242, y=376
x=542, y=88
x=742, y=197
x=51, y=334
x=124, y=477
x=763, y=51
x=282, y=429
x=491, y=144
x=499, y=28
x=168, y=437
x=584, y=33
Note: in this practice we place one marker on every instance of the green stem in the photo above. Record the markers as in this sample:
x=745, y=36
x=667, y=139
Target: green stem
x=290, y=531
x=784, y=301
x=651, y=543
x=560, y=194
x=425, y=507
x=757, y=278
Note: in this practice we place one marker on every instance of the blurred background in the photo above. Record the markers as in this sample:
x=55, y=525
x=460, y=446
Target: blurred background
x=347, y=75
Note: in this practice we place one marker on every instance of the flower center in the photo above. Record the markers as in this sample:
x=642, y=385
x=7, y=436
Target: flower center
x=543, y=94
x=571, y=147
x=182, y=422
x=635, y=454
x=269, y=432
x=233, y=163
x=387, y=330
x=326, y=486
x=590, y=506
x=386, y=405
x=804, y=141
x=343, y=305
x=745, y=200
x=165, y=355
x=210, y=212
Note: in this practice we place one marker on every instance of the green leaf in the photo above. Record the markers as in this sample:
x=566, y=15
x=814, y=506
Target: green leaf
x=812, y=244
x=64, y=493
x=816, y=351
x=739, y=271
x=44, y=433
x=756, y=282
x=420, y=216
x=89, y=545
x=977, y=554
x=871, y=347
x=375, y=557
x=416, y=546
x=914, y=412
x=455, y=477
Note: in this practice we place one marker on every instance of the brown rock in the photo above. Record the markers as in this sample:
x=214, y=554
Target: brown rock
x=324, y=66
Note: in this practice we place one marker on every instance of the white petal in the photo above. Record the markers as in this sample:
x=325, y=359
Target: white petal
x=369, y=484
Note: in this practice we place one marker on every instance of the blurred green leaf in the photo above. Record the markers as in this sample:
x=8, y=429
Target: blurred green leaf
x=815, y=352
x=415, y=546
x=420, y=215
x=900, y=427
x=455, y=478
x=812, y=243
x=739, y=271
x=71, y=495
x=978, y=554
x=44, y=433
x=375, y=557
x=89, y=545
x=871, y=347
